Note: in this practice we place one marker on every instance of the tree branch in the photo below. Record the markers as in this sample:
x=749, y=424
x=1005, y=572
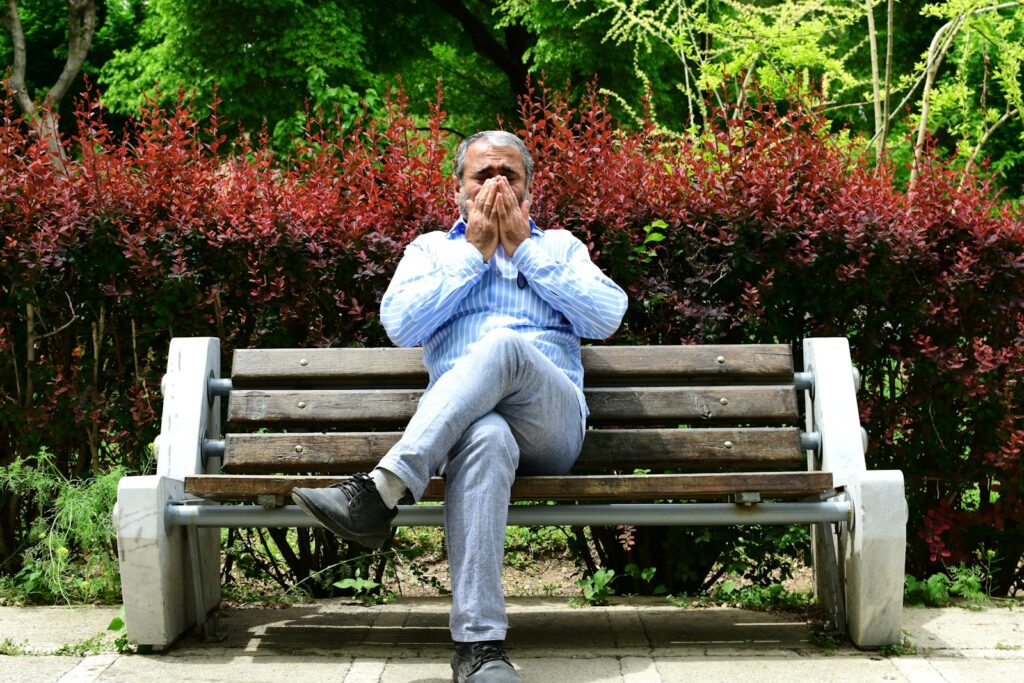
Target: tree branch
x=12, y=20
x=509, y=59
x=81, y=29
x=1007, y=115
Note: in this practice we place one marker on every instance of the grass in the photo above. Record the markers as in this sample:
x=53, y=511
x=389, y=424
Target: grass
x=10, y=648
x=97, y=644
x=904, y=648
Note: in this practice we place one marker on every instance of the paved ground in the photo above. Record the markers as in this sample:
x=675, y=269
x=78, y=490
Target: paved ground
x=639, y=642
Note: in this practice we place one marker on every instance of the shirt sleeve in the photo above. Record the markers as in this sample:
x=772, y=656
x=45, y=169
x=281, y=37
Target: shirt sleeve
x=575, y=287
x=427, y=287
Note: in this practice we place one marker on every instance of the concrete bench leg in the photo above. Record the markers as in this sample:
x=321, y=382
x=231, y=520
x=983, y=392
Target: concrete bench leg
x=874, y=554
x=156, y=577
x=156, y=574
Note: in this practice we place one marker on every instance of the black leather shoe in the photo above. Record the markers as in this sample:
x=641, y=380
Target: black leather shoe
x=484, y=662
x=353, y=510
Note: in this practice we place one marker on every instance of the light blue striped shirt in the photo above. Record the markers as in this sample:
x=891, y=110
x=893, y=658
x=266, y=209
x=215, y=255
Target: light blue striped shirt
x=445, y=297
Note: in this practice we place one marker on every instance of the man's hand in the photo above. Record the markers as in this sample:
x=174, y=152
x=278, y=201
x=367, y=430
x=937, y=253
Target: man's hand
x=513, y=218
x=482, y=223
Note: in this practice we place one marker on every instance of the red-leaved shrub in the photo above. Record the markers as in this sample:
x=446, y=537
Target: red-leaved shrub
x=763, y=229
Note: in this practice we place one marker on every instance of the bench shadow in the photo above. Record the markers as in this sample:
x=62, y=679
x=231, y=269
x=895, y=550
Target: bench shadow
x=538, y=627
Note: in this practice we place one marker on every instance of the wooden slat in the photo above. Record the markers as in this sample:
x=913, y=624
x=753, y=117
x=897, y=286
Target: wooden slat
x=772, y=404
x=564, y=488
x=271, y=367
x=764, y=363
x=611, y=449
x=740, y=362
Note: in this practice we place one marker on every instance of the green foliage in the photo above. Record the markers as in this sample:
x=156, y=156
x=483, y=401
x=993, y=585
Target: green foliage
x=645, y=575
x=905, y=647
x=690, y=560
x=774, y=596
x=789, y=45
x=597, y=587
x=118, y=627
x=977, y=101
x=364, y=589
x=938, y=590
x=10, y=648
x=523, y=545
x=45, y=25
x=70, y=555
x=645, y=252
x=264, y=59
x=83, y=648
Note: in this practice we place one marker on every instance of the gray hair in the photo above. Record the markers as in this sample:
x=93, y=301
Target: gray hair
x=498, y=138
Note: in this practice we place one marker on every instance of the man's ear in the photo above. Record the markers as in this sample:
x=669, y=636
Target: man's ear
x=456, y=187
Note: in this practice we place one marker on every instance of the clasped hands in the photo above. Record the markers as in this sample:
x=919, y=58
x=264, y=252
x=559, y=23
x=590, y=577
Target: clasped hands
x=497, y=216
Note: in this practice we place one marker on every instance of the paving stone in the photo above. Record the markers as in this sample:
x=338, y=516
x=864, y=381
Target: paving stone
x=270, y=669
x=29, y=669
x=778, y=670
x=635, y=641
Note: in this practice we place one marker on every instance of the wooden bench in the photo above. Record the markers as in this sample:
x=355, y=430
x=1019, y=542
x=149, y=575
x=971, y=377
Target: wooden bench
x=717, y=426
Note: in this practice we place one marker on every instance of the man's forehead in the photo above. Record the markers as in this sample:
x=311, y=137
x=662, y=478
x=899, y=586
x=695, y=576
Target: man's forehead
x=482, y=154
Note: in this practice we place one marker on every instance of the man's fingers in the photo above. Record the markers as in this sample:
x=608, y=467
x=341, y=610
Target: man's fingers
x=501, y=208
x=486, y=198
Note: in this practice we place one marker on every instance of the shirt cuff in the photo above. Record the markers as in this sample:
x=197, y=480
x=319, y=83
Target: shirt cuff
x=465, y=259
x=529, y=257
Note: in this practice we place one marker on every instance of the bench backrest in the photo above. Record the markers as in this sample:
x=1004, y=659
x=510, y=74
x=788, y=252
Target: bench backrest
x=338, y=411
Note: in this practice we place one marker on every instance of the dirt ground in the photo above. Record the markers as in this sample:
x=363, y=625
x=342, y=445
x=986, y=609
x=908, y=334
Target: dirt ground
x=548, y=576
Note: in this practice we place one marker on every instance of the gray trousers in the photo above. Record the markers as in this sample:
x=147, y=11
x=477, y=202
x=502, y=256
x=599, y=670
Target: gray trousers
x=504, y=408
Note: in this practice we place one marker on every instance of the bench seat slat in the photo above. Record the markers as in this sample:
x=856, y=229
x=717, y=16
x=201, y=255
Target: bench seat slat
x=603, y=449
x=746, y=362
x=373, y=407
x=561, y=488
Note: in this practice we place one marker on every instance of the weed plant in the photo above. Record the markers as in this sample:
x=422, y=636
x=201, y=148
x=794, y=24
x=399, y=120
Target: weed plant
x=70, y=554
x=939, y=590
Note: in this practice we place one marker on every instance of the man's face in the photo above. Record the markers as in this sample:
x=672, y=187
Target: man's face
x=484, y=160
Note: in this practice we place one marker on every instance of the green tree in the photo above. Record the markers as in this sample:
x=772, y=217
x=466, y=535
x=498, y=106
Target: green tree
x=265, y=58
x=978, y=94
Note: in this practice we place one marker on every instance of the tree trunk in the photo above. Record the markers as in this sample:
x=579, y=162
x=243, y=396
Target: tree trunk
x=876, y=86
x=508, y=57
x=81, y=29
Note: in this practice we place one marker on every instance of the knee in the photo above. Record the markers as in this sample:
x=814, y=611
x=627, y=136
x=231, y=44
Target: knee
x=500, y=342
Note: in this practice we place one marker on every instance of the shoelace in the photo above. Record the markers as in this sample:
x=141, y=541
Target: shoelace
x=482, y=653
x=354, y=486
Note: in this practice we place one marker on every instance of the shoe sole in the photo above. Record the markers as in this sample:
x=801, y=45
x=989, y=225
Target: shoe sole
x=332, y=525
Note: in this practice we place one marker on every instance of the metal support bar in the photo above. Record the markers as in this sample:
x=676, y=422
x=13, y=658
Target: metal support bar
x=213, y=448
x=803, y=381
x=810, y=441
x=217, y=386
x=663, y=514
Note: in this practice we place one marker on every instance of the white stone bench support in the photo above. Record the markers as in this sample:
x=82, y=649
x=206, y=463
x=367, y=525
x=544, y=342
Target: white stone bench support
x=870, y=551
x=156, y=575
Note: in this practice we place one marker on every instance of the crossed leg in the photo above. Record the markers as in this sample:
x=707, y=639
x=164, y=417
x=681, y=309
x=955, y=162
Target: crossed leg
x=503, y=408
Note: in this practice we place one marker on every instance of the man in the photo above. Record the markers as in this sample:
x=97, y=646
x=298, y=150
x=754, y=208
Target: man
x=499, y=306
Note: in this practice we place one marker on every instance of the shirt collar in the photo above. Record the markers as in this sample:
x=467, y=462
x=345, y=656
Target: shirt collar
x=459, y=229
